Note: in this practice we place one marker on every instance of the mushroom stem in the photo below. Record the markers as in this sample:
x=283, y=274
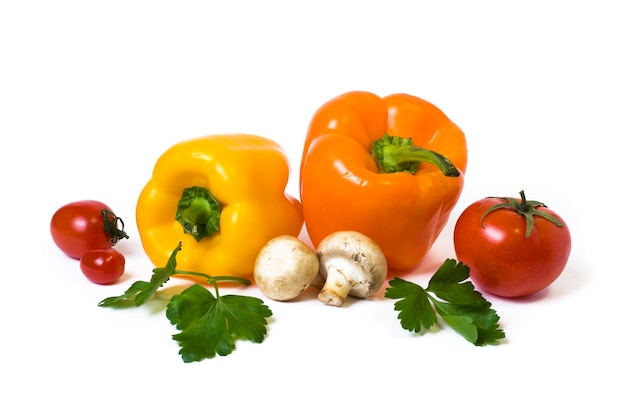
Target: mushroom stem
x=353, y=264
x=336, y=288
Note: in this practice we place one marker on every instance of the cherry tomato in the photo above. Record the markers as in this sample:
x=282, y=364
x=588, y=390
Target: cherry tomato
x=103, y=266
x=512, y=246
x=85, y=225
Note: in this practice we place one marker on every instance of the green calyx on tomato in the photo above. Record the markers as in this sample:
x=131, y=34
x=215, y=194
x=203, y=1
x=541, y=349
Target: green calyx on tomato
x=111, y=222
x=527, y=208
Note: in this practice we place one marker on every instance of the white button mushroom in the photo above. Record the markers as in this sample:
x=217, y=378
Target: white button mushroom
x=352, y=264
x=285, y=267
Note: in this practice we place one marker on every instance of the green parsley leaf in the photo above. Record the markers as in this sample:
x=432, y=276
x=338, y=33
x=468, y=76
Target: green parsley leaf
x=211, y=325
x=477, y=324
x=140, y=291
x=451, y=295
x=414, y=307
x=450, y=283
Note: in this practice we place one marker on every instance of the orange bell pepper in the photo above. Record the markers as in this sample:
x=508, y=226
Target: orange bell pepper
x=391, y=168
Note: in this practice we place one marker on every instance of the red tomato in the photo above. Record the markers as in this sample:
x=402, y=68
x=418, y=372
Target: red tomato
x=103, y=266
x=85, y=225
x=513, y=247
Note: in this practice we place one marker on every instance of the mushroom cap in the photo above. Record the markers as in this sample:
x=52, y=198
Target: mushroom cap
x=285, y=267
x=359, y=259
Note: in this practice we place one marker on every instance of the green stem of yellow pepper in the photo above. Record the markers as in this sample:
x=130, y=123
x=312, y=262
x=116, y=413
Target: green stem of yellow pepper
x=198, y=212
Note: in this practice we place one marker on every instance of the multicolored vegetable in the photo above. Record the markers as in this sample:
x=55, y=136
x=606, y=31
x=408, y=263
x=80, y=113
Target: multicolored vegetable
x=223, y=197
x=390, y=168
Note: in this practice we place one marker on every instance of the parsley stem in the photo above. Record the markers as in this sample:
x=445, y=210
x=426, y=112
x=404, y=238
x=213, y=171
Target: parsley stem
x=213, y=280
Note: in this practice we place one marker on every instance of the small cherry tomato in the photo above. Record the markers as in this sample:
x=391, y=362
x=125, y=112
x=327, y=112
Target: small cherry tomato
x=103, y=266
x=85, y=225
x=513, y=247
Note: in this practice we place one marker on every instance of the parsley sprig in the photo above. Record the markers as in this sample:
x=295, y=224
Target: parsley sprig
x=209, y=324
x=451, y=295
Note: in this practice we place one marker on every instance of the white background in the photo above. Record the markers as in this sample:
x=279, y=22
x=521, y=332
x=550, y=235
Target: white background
x=91, y=93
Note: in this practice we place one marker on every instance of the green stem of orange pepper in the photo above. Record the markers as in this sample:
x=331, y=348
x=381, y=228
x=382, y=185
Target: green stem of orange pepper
x=397, y=154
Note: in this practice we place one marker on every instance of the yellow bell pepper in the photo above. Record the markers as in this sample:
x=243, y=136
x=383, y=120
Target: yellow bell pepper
x=223, y=197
